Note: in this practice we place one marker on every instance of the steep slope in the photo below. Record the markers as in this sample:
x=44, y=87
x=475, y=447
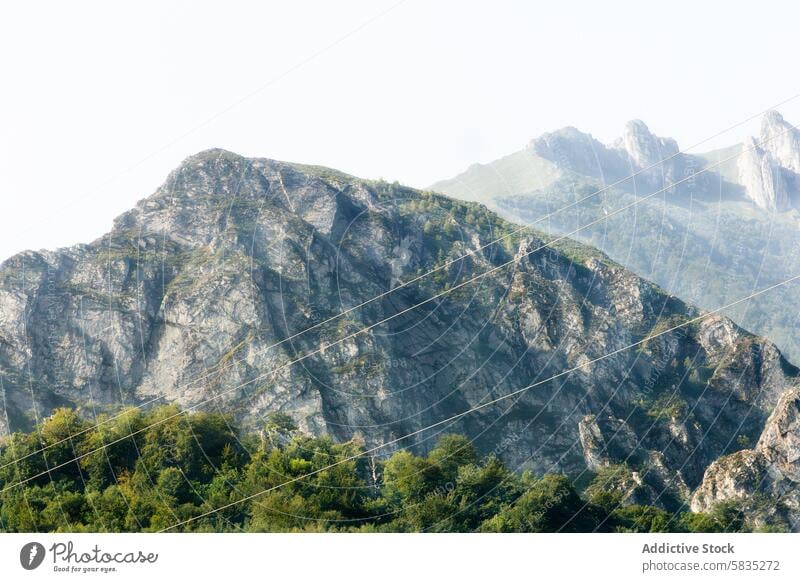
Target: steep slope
x=186, y=296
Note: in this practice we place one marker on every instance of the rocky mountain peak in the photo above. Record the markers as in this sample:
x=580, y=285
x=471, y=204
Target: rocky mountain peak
x=642, y=146
x=572, y=150
x=782, y=140
x=768, y=167
x=762, y=177
x=569, y=149
x=656, y=161
x=772, y=118
x=204, y=192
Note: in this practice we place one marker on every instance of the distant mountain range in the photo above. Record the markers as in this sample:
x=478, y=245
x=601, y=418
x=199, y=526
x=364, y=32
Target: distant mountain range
x=765, y=171
x=709, y=227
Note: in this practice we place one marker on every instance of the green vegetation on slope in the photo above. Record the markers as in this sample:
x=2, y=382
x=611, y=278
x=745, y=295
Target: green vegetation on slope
x=178, y=467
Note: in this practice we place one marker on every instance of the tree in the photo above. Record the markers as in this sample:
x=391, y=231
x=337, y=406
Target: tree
x=645, y=519
x=724, y=517
x=279, y=428
x=451, y=452
x=550, y=505
x=407, y=477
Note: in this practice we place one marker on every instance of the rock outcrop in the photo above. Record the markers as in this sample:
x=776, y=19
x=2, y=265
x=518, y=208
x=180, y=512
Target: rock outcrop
x=643, y=147
x=638, y=161
x=765, y=479
x=768, y=168
x=574, y=151
x=782, y=140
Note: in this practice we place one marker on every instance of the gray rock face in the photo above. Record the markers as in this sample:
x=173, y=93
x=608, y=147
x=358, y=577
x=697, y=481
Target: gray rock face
x=642, y=147
x=770, y=470
x=656, y=161
x=574, y=151
x=768, y=169
x=765, y=182
x=782, y=140
x=200, y=293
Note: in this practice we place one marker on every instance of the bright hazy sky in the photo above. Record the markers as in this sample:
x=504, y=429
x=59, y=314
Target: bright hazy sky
x=100, y=100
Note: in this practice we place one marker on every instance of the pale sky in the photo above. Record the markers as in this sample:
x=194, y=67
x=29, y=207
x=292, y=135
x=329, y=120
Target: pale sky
x=101, y=100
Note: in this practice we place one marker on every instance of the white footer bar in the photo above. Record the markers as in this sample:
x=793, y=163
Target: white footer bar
x=402, y=557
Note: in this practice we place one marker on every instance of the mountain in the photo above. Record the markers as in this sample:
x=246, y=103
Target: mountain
x=636, y=151
x=568, y=154
x=202, y=294
x=765, y=169
x=709, y=227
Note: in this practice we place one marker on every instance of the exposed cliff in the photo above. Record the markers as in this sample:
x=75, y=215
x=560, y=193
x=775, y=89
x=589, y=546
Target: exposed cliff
x=766, y=479
x=768, y=168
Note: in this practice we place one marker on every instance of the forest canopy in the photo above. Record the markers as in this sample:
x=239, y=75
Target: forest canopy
x=152, y=470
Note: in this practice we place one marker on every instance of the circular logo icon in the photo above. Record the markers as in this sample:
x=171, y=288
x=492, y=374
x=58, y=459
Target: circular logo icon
x=31, y=555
